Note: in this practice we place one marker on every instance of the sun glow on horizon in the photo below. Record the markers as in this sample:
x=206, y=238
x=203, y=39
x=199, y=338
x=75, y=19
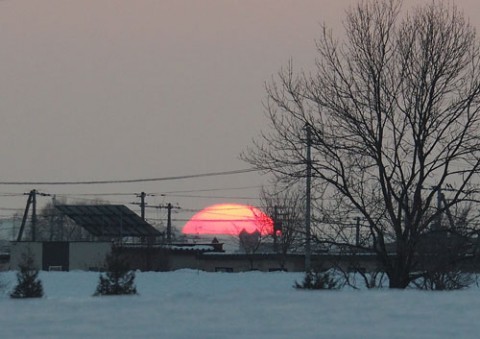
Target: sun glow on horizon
x=229, y=219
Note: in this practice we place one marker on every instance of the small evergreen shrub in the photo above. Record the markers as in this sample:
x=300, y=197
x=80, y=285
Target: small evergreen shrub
x=28, y=283
x=118, y=278
x=314, y=280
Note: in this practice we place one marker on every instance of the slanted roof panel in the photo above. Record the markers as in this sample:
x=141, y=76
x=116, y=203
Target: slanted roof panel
x=108, y=220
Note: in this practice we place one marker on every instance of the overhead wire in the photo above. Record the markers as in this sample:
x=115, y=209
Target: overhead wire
x=211, y=189
x=166, y=194
x=11, y=194
x=210, y=196
x=97, y=194
x=100, y=182
x=84, y=196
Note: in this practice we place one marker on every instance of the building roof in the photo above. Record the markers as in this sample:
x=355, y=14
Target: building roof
x=108, y=220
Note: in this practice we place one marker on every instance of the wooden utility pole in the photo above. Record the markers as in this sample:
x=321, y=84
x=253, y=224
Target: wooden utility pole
x=169, y=208
x=34, y=213
x=31, y=201
x=308, y=254
x=169, y=223
x=142, y=205
x=24, y=219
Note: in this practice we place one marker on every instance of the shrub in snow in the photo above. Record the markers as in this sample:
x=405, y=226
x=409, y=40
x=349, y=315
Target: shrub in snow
x=118, y=279
x=444, y=281
x=324, y=280
x=28, y=283
x=359, y=278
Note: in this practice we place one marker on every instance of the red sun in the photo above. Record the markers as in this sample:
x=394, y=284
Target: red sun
x=229, y=219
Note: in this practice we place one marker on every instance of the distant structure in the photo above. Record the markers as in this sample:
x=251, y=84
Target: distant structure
x=145, y=248
x=249, y=242
x=110, y=222
x=109, y=226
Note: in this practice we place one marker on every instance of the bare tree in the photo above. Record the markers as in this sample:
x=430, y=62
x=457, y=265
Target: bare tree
x=253, y=242
x=394, y=115
x=285, y=205
x=52, y=225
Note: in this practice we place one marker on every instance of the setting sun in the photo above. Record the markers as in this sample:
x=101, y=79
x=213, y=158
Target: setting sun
x=229, y=219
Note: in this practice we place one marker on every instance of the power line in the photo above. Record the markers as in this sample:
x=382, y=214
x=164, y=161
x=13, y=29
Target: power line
x=95, y=194
x=210, y=197
x=211, y=190
x=11, y=194
x=161, y=194
x=101, y=182
x=10, y=209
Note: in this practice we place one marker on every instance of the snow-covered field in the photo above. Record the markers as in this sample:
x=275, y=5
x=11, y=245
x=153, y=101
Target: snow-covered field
x=191, y=304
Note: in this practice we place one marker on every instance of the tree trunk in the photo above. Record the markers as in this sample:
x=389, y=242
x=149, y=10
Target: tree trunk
x=399, y=277
x=398, y=282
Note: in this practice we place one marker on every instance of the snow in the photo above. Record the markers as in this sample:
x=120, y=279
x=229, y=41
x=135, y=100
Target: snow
x=193, y=304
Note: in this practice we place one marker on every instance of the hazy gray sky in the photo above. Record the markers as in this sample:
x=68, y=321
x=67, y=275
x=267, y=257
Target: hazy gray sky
x=123, y=89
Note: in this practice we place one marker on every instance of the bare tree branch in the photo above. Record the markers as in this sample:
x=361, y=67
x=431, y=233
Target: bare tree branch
x=394, y=110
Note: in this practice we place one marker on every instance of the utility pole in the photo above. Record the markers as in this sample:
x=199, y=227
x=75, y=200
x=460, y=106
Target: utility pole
x=169, y=208
x=32, y=200
x=142, y=205
x=34, y=213
x=441, y=200
x=169, y=223
x=308, y=259
x=25, y=215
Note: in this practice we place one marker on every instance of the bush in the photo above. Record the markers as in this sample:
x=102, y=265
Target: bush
x=314, y=280
x=118, y=280
x=444, y=281
x=28, y=284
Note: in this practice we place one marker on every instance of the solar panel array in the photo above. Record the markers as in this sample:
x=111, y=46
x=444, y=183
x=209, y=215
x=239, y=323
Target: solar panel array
x=109, y=220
